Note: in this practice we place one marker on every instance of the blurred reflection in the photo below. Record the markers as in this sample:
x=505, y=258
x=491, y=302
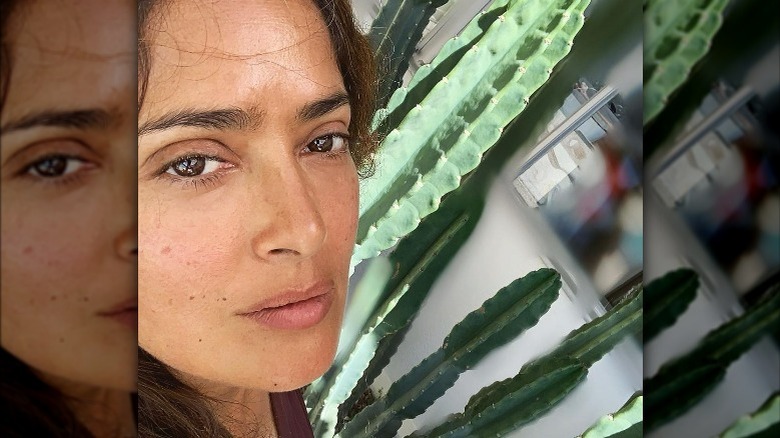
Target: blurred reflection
x=723, y=184
x=68, y=358
x=584, y=179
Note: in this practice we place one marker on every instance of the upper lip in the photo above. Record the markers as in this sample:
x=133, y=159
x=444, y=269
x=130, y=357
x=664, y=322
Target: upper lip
x=290, y=296
x=124, y=306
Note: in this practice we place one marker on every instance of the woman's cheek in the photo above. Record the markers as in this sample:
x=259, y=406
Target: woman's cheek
x=185, y=249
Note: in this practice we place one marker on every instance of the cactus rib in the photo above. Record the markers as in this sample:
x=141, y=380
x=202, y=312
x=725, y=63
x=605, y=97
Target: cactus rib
x=677, y=36
x=393, y=35
x=667, y=298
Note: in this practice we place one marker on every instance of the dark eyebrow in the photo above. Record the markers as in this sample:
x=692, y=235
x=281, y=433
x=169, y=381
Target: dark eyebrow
x=219, y=119
x=236, y=119
x=319, y=108
x=78, y=119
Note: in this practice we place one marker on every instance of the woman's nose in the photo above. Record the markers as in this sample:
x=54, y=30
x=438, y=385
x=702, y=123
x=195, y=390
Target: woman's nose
x=291, y=226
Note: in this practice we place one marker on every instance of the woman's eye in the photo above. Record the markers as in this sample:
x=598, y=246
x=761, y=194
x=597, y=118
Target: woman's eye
x=56, y=166
x=193, y=166
x=328, y=143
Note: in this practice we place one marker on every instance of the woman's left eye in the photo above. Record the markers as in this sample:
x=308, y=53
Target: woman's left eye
x=328, y=143
x=193, y=166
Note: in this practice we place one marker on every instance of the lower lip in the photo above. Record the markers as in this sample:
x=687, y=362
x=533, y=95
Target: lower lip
x=127, y=318
x=295, y=316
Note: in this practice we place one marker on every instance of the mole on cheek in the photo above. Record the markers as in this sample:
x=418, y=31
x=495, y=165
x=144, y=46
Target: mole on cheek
x=27, y=250
x=166, y=250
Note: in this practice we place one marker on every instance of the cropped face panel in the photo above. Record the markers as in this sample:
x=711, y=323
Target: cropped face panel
x=68, y=193
x=247, y=194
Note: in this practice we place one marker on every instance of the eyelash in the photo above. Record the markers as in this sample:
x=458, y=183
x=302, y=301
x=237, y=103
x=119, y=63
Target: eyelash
x=212, y=178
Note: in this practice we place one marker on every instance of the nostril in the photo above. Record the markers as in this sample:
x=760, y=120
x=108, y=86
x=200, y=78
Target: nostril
x=283, y=251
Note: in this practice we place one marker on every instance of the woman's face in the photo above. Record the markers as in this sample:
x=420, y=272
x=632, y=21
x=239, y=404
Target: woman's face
x=68, y=196
x=247, y=194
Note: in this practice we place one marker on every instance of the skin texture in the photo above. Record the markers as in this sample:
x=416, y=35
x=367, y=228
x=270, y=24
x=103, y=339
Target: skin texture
x=69, y=241
x=269, y=216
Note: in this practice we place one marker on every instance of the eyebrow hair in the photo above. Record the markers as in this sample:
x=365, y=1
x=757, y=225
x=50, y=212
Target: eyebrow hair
x=79, y=119
x=237, y=118
x=219, y=119
x=319, y=108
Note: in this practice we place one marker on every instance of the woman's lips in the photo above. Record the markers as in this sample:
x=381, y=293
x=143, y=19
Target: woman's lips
x=126, y=313
x=294, y=309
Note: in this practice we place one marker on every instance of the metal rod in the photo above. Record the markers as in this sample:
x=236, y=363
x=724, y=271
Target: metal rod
x=729, y=107
x=591, y=107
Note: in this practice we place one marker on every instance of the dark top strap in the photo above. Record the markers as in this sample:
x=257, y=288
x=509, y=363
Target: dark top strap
x=289, y=413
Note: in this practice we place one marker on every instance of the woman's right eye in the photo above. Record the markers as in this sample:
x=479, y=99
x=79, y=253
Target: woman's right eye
x=55, y=166
x=194, y=165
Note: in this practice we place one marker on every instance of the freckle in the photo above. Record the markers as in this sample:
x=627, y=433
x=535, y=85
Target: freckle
x=170, y=301
x=192, y=297
x=204, y=296
x=224, y=299
x=85, y=299
x=62, y=340
x=27, y=250
x=54, y=298
x=200, y=340
x=166, y=250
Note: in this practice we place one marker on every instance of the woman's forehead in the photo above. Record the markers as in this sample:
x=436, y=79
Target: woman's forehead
x=77, y=29
x=239, y=54
x=236, y=29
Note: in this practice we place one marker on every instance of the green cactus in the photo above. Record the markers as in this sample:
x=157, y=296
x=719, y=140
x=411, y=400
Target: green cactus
x=596, y=338
x=677, y=35
x=427, y=76
x=444, y=136
x=394, y=34
x=667, y=298
x=628, y=416
x=682, y=382
x=542, y=383
x=500, y=319
x=763, y=418
x=417, y=262
x=510, y=403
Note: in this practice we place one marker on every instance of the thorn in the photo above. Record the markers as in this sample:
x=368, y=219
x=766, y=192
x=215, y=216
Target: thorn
x=521, y=69
x=547, y=41
x=466, y=133
x=444, y=79
x=501, y=18
x=494, y=101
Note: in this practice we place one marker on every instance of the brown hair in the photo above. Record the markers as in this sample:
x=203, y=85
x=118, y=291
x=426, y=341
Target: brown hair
x=167, y=407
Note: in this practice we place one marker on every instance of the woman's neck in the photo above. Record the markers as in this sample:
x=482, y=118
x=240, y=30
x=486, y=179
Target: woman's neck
x=104, y=412
x=244, y=412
